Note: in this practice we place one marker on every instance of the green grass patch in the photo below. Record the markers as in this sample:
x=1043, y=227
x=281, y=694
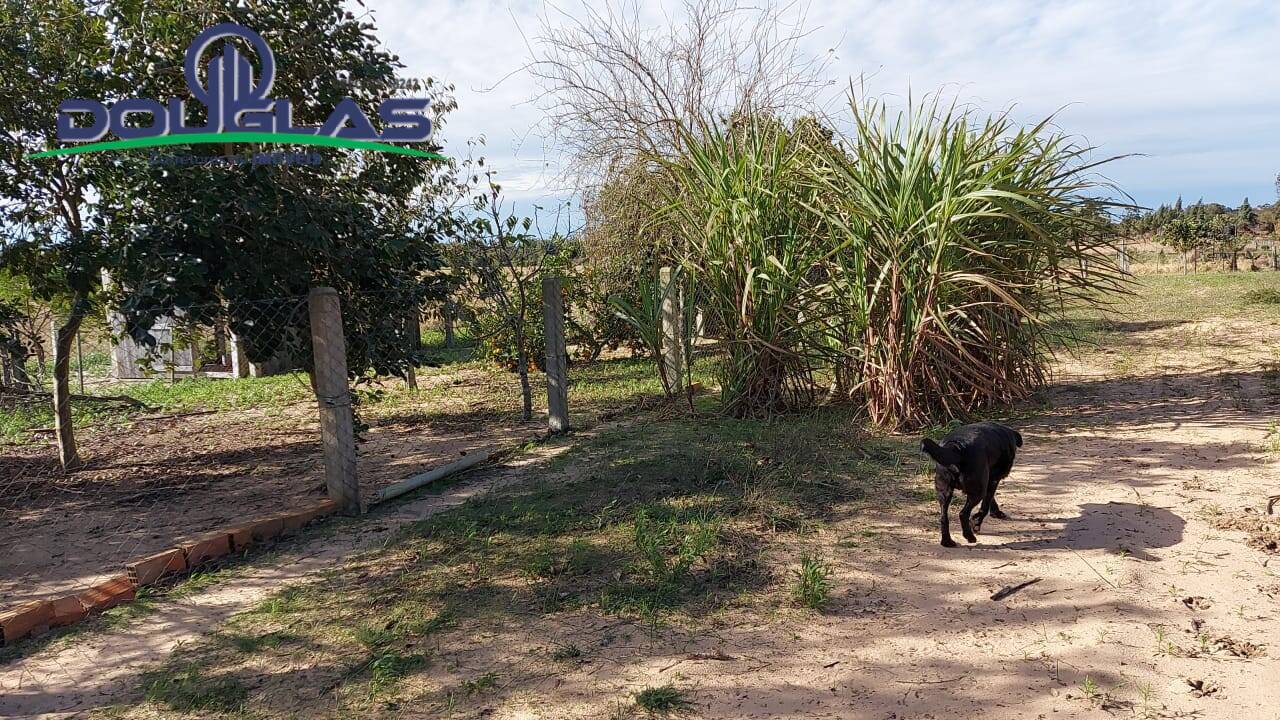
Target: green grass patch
x=206, y=394
x=18, y=418
x=662, y=700
x=1271, y=443
x=388, y=668
x=664, y=522
x=811, y=587
x=1261, y=296
x=188, y=689
x=1202, y=296
x=481, y=684
x=249, y=644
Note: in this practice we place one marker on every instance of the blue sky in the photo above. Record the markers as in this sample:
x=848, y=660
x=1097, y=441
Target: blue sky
x=1192, y=86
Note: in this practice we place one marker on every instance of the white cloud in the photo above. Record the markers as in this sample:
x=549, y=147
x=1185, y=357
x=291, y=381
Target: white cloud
x=1192, y=85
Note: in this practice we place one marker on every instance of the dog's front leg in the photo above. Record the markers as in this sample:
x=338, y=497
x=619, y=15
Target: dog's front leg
x=944, y=504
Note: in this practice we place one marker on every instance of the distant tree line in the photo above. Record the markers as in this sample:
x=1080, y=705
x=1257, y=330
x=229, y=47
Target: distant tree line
x=1203, y=228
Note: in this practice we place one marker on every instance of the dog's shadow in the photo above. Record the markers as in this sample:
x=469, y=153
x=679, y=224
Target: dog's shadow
x=1116, y=526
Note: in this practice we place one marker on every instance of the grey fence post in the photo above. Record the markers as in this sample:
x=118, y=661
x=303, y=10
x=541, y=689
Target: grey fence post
x=672, y=315
x=414, y=332
x=337, y=431
x=557, y=373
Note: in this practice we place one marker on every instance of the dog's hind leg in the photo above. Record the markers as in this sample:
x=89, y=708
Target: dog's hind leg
x=944, y=504
x=983, y=508
x=988, y=506
x=976, y=488
x=966, y=524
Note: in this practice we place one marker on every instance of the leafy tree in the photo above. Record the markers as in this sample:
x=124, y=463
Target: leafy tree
x=52, y=50
x=23, y=320
x=504, y=259
x=622, y=246
x=211, y=242
x=1183, y=236
x=1246, y=216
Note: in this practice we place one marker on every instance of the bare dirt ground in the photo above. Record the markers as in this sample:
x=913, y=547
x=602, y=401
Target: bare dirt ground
x=1114, y=506
x=151, y=482
x=76, y=675
x=1140, y=605
x=1137, y=514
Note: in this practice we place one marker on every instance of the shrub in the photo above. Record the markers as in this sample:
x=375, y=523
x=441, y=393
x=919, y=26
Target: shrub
x=1262, y=296
x=743, y=204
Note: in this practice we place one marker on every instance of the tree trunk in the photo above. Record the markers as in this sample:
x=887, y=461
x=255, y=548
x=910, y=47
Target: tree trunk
x=16, y=369
x=522, y=365
x=1235, y=264
x=63, y=337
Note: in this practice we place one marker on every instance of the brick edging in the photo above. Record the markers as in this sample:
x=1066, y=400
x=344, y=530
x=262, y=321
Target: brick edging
x=36, y=617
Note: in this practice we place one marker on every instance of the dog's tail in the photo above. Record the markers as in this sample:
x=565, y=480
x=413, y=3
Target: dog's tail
x=1017, y=438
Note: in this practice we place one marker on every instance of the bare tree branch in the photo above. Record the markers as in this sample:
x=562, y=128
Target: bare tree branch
x=614, y=88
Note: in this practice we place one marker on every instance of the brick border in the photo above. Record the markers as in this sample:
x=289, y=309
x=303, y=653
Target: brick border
x=36, y=617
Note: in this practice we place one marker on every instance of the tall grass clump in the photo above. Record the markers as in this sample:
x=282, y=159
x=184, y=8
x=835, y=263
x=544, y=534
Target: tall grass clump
x=741, y=204
x=965, y=238
x=919, y=264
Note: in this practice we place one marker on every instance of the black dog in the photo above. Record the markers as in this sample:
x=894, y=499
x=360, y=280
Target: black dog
x=973, y=458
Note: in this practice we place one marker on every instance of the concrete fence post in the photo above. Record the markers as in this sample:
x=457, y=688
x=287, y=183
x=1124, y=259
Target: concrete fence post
x=672, y=315
x=557, y=373
x=337, y=431
x=413, y=332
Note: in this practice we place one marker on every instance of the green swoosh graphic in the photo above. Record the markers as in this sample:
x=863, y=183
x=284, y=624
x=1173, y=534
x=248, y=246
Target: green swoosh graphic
x=256, y=137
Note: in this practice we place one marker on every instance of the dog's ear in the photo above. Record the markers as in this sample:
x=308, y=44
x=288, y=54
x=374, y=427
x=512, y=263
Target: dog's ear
x=944, y=456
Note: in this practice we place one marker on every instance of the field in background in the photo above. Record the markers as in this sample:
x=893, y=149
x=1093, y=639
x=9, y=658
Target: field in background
x=730, y=568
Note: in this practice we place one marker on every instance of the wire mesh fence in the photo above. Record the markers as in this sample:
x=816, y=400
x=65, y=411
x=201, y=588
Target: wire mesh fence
x=195, y=421
x=171, y=446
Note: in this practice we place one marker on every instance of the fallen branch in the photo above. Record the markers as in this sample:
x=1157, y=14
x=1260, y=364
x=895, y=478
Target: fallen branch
x=1008, y=590
x=1095, y=570
x=932, y=682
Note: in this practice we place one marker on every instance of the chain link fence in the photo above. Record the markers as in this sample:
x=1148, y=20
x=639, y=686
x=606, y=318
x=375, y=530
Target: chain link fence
x=197, y=422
